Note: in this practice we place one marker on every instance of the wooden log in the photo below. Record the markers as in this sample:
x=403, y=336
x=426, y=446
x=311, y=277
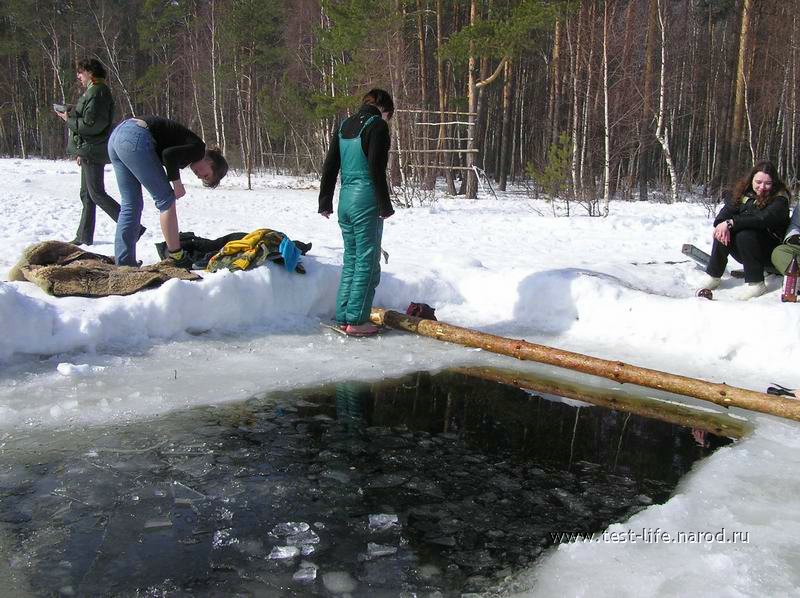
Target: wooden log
x=720, y=394
x=720, y=424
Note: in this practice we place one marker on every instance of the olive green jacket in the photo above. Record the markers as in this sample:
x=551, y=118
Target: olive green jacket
x=90, y=124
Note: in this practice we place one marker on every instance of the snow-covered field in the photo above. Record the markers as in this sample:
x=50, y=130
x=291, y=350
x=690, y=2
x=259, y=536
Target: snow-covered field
x=605, y=287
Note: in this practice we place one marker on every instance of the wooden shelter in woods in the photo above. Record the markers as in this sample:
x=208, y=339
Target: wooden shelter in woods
x=434, y=143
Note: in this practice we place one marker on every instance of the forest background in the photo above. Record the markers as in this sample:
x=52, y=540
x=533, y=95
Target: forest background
x=586, y=99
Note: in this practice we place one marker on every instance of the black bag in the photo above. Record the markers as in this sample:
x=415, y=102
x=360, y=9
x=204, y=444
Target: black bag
x=421, y=310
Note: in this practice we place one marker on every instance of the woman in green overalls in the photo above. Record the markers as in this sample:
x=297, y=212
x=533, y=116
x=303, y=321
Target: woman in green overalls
x=360, y=149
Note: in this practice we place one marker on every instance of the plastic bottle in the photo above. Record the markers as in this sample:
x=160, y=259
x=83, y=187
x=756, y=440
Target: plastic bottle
x=790, y=277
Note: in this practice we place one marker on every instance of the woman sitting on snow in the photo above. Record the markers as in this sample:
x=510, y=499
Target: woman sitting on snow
x=140, y=150
x=748, y=227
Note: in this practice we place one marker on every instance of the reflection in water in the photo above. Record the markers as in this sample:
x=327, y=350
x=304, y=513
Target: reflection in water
x=428, y=484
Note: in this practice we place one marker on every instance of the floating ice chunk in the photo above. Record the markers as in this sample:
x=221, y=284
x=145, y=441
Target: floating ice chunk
x=339, y=476
x=290, y=527
x=284, y=552
x=429, y=571
x=339, y=582
x=306, y=573
x=301, y=538
x=307, y=549
x=223, y=538
x=377, y=550
x=83, y=369
x=185, y=494
x=157, y=523
x=224, y=514
x=383, y=522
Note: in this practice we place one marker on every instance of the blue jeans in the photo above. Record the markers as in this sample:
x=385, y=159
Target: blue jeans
x=136, y=164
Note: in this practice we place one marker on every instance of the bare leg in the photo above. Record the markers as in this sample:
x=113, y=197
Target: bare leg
x=169, y=226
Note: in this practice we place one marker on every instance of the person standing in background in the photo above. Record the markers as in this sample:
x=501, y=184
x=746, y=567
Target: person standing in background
x=360, y=149
x=90, y=123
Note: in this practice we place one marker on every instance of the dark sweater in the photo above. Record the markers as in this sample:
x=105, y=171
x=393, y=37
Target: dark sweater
x=375, y=142
x=772, y=218
x=176, y=146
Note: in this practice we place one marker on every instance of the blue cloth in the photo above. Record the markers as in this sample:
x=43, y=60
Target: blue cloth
x=290, y=253
x=136, y=164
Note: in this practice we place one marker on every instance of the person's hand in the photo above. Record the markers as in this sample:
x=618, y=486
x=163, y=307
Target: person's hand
x=326, y=214
x=62, y=115
x=78, y=160
x=179, y=189
x=722, y=233
x=793, y=240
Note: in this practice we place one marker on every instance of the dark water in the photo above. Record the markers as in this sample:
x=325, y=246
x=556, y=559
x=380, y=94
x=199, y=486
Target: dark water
x=426, y=486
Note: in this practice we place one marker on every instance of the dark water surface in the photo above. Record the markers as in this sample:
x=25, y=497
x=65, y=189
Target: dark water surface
x=425, y=486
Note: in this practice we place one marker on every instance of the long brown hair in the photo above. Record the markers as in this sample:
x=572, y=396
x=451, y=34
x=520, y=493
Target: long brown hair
x=745, y=184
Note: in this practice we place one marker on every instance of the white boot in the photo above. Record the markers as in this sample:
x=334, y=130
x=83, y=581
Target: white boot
x=710, y=282
x=752, y=290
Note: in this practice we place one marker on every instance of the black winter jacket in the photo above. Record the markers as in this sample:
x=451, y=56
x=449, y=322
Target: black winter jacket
x=772, y=218
x=375, y=142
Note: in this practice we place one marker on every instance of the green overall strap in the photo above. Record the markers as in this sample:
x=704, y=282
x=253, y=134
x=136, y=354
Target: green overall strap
x=354, y=166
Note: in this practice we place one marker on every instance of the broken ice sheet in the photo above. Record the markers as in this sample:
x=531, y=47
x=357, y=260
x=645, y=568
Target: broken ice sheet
x=222, y=538
x=284, y=552
x=306, y=573
x=197, y=467
x=290, y=527
x=339, y=582
x=383, y=522
x=301, y=538
x=159, y=523
x=183, y=493
x=378, y=550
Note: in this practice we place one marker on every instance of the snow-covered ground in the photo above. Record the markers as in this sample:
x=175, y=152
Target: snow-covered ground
x=606, y=287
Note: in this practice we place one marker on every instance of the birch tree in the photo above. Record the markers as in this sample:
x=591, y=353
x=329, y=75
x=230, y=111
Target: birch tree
x=662, y=129
x=606, y=126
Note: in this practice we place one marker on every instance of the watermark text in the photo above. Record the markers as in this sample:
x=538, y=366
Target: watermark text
x=653, y=535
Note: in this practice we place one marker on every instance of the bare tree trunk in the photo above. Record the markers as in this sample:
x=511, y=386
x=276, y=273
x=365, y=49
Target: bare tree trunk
x=720, y=394
x=574, y=59
x=606, y=128
x=662, y=131
x=555, y=85
x=505, y=137
x=586, y=103
x=791, y=171
x=737, y=133
x=749, y=121
x=647, y=108
x=472, y=94
x=442, y=83
x=423, y=89
x=214, y=98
